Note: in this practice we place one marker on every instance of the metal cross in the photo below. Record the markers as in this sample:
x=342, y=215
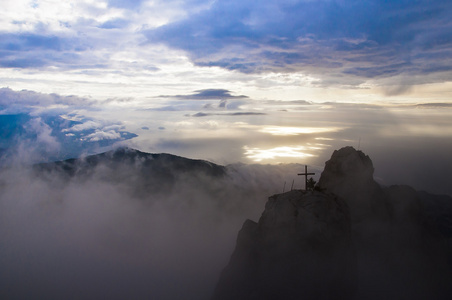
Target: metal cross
x=305, y=174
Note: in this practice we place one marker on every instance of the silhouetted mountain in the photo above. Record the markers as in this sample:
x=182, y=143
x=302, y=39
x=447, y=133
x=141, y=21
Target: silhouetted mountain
x=144, y=172
x=349, y=174
x=438, y=209
x=131, y=157
x=348, y=239
x=301, y=248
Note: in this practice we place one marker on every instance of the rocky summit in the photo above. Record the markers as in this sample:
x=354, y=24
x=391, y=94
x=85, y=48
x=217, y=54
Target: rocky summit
x=349, y=238
x=300, y=248
x=349, y=174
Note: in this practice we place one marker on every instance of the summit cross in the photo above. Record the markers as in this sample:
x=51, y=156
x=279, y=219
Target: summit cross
x=305, y=174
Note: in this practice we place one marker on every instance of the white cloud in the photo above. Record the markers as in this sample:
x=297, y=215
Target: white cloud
x=29, y=100
x=102, y=135
x=44, y=136
x=84, y=126
x=100, y=234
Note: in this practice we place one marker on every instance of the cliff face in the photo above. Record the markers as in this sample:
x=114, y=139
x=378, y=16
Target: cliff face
x=351, y=240
x=300, y=249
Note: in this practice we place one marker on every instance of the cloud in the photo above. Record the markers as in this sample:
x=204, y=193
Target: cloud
x=434, y=105
x=203, y=100
x=25, y=139
x=99, y=135
x=44, y=135
x=258, y=155
x=28, y=42
x=39, y=142
x=24, y=101
x=49, y=126
x=85, y=35
x=207, y=94
x=291, y=102
x=223, y=103
x=128, y=4
x=114, y=24
x=235, y=114
x=95, y=235
x=88, y=125
x=367, y=40
x=344, y=43
x=33, y=50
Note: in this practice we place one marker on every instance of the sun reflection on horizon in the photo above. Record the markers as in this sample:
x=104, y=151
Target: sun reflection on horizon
x=259, y=155
x=285, y=131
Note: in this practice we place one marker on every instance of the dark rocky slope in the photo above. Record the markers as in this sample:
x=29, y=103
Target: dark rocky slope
x=301, y=248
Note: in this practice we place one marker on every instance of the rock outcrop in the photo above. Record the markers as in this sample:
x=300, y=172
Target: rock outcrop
x=301, y=248
x=349, y=239
x=349, y=174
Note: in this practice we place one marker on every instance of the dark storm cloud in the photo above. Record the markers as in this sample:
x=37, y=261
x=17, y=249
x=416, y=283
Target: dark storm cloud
x=366, y=39
x=207, y=94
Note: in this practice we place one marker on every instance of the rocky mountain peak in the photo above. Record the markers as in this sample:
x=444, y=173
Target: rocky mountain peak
x=349, y=239
x=348, y=163
x=349, y=174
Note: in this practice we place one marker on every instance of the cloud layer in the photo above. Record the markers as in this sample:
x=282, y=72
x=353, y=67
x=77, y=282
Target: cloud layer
x=394, y=44
x=107, y=233
x=41, y=127
x=367, y=40
x=208, y=94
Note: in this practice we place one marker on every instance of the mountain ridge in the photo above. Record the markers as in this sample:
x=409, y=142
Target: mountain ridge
x=126, y=155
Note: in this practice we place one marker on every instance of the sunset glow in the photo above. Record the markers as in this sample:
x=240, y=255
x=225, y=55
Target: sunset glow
x=231, y=81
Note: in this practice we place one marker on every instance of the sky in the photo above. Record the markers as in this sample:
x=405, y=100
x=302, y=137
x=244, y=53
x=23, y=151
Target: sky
x=248, y=84
x=233, y=81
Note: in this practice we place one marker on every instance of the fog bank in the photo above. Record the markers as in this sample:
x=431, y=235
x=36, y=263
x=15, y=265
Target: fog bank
x=105, y=235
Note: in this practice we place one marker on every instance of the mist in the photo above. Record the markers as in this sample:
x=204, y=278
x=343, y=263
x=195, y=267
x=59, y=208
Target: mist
x=108, y=235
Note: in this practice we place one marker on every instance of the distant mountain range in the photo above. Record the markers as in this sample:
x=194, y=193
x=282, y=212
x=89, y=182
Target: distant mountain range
x=155, y=164
x=150, y=173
